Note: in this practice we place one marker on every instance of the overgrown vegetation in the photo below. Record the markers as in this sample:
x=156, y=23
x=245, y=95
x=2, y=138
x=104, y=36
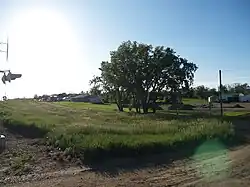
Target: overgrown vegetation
x=95, y=132
x=20, y=165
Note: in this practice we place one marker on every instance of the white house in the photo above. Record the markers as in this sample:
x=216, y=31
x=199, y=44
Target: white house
x=244, y=98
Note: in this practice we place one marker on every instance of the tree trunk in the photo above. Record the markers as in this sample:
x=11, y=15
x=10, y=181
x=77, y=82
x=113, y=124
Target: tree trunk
x=146, y=103
x=145, y=110
x=154, y=106
x=120, y=107
x=154, y=110
x=137, y=106
x=144, y=106
x=119, y=100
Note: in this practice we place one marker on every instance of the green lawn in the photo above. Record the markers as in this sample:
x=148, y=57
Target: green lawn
x=99, y=130
x=194, y=101
x=236, y=113
x=190, y=101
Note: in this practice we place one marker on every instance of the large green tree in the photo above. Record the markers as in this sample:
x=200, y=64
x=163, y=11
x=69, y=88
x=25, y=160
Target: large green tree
x=137, y=70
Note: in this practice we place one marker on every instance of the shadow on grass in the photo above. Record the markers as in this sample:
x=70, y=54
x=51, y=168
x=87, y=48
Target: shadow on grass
x=240, y=122
x=182, y=115
x=160, y=155
x=241, y=126
x=28, y=131
x=153, y=157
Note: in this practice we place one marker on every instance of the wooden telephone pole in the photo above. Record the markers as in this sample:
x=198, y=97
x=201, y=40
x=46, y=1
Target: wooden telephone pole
x=7, y=48
x=220, y=94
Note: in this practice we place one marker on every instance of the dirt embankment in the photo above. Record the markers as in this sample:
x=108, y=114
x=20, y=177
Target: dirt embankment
x=28, y=163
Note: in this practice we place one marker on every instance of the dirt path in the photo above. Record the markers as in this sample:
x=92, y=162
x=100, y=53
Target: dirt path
x=27, y=163
x=179, y=173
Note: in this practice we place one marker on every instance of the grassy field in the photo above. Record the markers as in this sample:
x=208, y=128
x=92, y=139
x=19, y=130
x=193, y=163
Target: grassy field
x=194, y=101
x=99, y=131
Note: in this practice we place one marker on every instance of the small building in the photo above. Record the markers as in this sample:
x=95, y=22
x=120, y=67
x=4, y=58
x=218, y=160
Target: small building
x=79, y=98
x=244, y=98
x=52, y=99
x=230, y=97
x=66, y=99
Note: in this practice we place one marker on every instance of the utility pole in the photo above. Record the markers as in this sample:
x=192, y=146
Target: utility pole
x=10, y=76
x=220, y=94
x=2, y=137
x=7, y=48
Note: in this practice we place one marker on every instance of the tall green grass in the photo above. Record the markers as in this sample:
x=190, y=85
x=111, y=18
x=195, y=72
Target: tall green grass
x=97, y=131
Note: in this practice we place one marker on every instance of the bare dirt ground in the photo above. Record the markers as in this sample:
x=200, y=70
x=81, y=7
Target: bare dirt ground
x=28, y=163
x=179, y=173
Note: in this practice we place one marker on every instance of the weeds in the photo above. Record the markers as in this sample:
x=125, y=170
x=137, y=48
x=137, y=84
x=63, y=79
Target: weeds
x=20, y=165
x=97, y=133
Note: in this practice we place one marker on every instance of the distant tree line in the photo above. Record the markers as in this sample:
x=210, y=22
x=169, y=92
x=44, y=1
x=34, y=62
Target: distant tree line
x=201, y=92
x=204, y=92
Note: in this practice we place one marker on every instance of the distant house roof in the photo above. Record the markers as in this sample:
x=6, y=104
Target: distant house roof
x=87, y=98
x=79, y=96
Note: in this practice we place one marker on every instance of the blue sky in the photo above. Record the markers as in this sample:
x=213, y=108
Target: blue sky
x=58, y=45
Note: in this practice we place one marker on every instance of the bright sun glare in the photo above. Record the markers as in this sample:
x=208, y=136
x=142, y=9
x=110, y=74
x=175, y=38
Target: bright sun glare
x=42, y=40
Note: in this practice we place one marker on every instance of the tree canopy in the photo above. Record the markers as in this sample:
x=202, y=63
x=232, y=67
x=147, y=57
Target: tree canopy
x=137, y=70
